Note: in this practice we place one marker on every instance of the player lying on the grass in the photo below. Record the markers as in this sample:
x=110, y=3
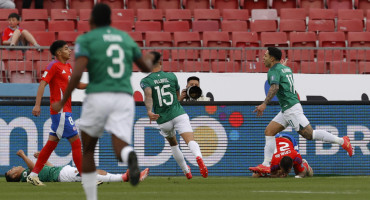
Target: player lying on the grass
x=67, y=173
x=286, y=157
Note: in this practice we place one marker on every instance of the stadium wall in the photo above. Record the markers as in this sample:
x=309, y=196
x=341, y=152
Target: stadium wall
x=230, y=135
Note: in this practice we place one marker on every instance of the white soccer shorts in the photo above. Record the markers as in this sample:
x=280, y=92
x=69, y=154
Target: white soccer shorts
x=294, y=117
x=113, y=112
x=181, y=124
x=69, y=174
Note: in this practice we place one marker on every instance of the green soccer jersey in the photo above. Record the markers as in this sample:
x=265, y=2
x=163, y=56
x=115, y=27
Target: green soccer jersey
x=110, y=53
x=164, y=86
x=47, y=174
x=283, y=76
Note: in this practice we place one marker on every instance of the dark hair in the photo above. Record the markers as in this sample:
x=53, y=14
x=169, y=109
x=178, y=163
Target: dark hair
x=157, y=56
x=14, y=15
x=57, y=45
x=101, y=15
x=193, y=78
x=275, y=52
x=10, y=179
x=286, y=164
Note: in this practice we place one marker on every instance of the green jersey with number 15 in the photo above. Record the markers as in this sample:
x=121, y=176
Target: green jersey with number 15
x=164, y=86
x=110, y=53
x=283, y=76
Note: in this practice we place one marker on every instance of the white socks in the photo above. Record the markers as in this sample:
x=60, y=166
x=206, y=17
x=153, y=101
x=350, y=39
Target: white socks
x=179, y=157
x=125, y=152
x=194, y=148
x=89, y=185
x=270, y=147
x=325, y=136
x=110, y=178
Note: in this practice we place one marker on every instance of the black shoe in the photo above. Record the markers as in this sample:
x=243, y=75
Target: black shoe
x=134, y=171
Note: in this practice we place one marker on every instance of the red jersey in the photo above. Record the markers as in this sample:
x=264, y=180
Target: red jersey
x=8, y=33
x=57, y=75
x=286, y=148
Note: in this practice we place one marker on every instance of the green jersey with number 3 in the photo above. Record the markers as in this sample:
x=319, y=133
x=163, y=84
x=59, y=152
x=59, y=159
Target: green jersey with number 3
x=283, y=76
x=164, y=86
x=110, y=53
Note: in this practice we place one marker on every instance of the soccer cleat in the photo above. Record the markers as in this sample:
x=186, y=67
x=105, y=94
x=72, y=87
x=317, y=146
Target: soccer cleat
x=347, y=146
x=261, y=169
x=133, y=166
x=308, y=168
x=202, y=167
x=99, y=183
x=34, y=180
x=188, y=175
x=144, y=174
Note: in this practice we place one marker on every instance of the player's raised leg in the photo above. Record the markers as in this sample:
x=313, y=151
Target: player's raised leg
x=179, y=157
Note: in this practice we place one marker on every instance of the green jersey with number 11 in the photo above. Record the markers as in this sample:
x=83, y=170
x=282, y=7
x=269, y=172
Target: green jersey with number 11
x=164, y=86
x=110, y=53
x=283, y=76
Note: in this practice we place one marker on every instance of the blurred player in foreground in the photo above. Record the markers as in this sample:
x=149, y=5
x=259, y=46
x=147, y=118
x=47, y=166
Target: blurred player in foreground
x=107, y=53
x=280, y=78
x=161, y=91
x=286, y=158
x=67, y=173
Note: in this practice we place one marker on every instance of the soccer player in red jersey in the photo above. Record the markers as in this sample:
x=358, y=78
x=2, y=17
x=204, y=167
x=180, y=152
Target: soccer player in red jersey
x=286, y=158
x=57, y=75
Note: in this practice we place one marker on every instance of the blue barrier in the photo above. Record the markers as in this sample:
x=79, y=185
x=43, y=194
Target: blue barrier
x=230, y=136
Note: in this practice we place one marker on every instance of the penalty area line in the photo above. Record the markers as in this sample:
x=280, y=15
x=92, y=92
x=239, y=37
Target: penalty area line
x=303, y=192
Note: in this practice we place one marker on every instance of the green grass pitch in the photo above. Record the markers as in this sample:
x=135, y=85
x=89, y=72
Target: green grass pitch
x=213, y=188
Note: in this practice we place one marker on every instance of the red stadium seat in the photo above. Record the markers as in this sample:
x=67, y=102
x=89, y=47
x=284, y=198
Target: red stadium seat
x=310, y=4
x=231, y=26
x=123, y=15
x=201, y=26
x=244, y=39
x=215, y=39
x=123, y=25
x=225, y=4
x=195, y=66
x=44, y=38
x=167, y=4
x=321, y=25
x=289, y=25
x=80, y=4
x=196, y=4
x=20, y=72
x=279, y=4
x=328, y=39
x=178, y=15
x=352, y=25
x=254, y=4
x=302, y=39
x=327, y=14
x=339, y=4
x=33, y=55
x=318, y=67
x=255, y=67
x=277, y=39
x=85, y=14
x=54, y=4
x=171, y=66
x=364, y=68
x=11, y=55
x=5, y=13
x=83, y=26
x=3, y=25
x=359, y=39
x=150, y=15
x=138, y=4
x=264, y=14
x=34, y=14
x=339, y=67
x=144, y=26
x=63, y=14
x=186, y=39
x=222, y=66
x=235, y=14
x=347, y=14
x=69, y=36
x=159, y=39
x=33, y=25
x=293, y=13
x=176, y=26
x=263, y=26
x=295, y=66
x=206, y=14
x=363, y=5
x=61, y=26
x=117, y=4
x=137, y=37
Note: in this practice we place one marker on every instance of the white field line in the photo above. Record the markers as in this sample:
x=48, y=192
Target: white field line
x=302, y=192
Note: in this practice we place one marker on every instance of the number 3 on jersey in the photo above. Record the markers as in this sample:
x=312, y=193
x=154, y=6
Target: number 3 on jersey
x=161, y=93
x=116, y=61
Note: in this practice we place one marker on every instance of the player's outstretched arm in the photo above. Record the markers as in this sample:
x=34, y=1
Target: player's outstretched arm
x=144, y=66
x=148, y=101
x=36, y=155
x=40, y=92
x=80, y=66
x=28, y=161
x=82, y=86
x=271, y=93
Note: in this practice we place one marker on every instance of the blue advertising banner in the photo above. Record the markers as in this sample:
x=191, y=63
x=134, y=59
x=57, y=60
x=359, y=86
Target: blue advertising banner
x=231, y=138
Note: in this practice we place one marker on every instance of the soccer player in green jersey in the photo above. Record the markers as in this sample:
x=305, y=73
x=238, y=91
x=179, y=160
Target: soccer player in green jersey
x=280, y=78
x=108, y=54
x=161, y=91
x=67, y=173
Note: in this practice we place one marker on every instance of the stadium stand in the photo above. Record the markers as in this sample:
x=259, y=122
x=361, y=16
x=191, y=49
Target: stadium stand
x=61, y=26
x=84, y=14
x=144, y=26
x=302, y=39
x=123, y=15
x=176, y=26
x=359, y=39
x=279, y=4
x=253, y=4
x=195, y=4
x=118, y=4
x=186, y=39
x=340, y=67
x=81, y=4
x=68, y=36
x=244, y=39
x=195, y=66
x=123, y=25
x=331, y=39
x=5, y=13
x=20, y=72
x=44, y=38
x=225, y=4
x=33, y=25
x=235, y=14
x=138, y=4
x=222, y=66
x=319, y=67
x=310, y=4
x=339, y=4
x=35, y=15
x=178, y=15
x=137, y=37
x=363, y=5
x=171, y=66
x=63, y=14
x=167, y=4
x=83, y=26
x=215, y=39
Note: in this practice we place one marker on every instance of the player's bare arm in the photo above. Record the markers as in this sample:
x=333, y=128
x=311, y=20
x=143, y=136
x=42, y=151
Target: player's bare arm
x=82, y=86
x=271, y=93
x=144, y=66
x=36, y=155
x=28, y=161
x=80, y=66
x=40, y=92
x=149, y=104
x=182, y=96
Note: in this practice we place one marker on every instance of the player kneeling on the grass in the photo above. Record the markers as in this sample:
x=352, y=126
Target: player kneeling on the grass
x=286, y=158
x=161, y=91
x=67, y=173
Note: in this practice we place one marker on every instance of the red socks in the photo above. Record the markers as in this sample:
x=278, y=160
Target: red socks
x=77, y=154
x=44, y=155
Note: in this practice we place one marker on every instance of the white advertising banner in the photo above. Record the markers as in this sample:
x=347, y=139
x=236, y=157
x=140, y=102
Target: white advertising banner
x=253, y=87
